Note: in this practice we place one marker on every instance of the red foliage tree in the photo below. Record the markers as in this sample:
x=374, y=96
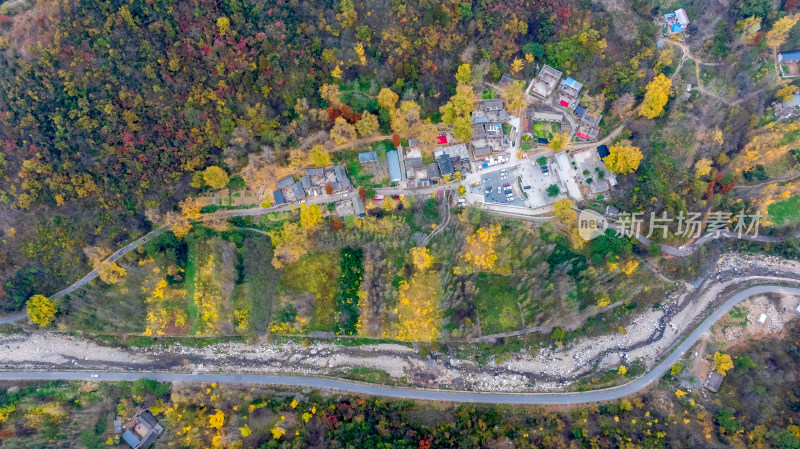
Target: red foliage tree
x=336, y=223
x=362, y=194
x=396, y=139
x=328, y=189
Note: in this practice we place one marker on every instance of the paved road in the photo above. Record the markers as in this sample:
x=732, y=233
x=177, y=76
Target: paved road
x=419, y=394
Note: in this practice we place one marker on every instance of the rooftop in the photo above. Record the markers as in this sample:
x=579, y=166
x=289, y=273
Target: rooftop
x=367, y=156
x=393, y=160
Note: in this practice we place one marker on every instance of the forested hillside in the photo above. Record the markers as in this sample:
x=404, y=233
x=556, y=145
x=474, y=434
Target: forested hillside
x=110, y=108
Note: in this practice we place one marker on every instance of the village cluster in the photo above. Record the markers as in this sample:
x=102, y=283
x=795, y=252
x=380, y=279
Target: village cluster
x=508, y=162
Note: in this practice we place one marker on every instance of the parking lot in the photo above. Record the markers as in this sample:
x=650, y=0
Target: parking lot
x=533, y=176
x=494, y=189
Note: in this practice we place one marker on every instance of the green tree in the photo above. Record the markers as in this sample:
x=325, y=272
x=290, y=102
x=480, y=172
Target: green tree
x=542, y=161
x=553, y=190
x=215, y=177
x=462, y=190
x=41, y=310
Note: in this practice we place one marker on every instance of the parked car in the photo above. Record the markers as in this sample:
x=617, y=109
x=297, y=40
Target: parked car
x=545, y=169
x=527, y=187
x=506, y=185
x=485, y=180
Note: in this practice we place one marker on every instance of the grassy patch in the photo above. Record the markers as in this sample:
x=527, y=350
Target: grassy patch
x=313, y=276
x=370, y=375
x=785, y=212
x=496, y=302
x=350, y=277
x=546, y=129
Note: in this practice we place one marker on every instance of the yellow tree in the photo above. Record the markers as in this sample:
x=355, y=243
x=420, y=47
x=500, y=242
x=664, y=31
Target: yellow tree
x=427, y=137
x=515, y=95
x=559, y=142
x=290, y=242
x=462, y=129
x=702, y=167
x=517, y=65
x=215, y=177
x=665, y=56
x=319, y=156
x=421, y=257
x=41, y=310
x=780, y=31
x=464, y=74
x=722, y=363
x=310, y=215
x=623, y=159
x=564, y=212
x=330, y=93
x=367, y=125
x=223, y=24
x=480, y=248
x=342, y=132
x=110, y=272
x=656, y=96
x=387, y=99
x=785, y=93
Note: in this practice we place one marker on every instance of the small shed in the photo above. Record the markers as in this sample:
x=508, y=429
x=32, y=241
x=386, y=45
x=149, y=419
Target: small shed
x=367, y=156
x=714, y=381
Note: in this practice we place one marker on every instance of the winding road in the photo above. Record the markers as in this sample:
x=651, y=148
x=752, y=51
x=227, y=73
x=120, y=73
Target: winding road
x=608, y=394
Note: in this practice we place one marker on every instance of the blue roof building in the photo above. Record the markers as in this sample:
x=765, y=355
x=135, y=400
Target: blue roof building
x=789, y=56
x=367, y=156
x=279, y=198
x=131, y=439
x=393, y=160
x=676, y=28
x=602, y=150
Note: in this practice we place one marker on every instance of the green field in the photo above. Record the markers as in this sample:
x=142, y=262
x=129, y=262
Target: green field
x=310, y=286
x=545, y=129
x=785, y=212
x=496, y=302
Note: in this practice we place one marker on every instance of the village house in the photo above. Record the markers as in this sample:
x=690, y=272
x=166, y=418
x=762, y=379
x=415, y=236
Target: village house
x=290, y=191
x=316, y=180
x=545, y=82
x=789, y=63
x=589, y=128
x=350, y=207
x=143, y=431
x=415, y=168
x=676, y=22
x=568, y=93
x=445, y=164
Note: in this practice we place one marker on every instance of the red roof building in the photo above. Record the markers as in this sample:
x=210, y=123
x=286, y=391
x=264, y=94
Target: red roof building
x=564, y=103
x=441, y=140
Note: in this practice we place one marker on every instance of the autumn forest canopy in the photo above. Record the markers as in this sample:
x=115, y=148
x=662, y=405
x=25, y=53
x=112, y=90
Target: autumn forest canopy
x=112, y=109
